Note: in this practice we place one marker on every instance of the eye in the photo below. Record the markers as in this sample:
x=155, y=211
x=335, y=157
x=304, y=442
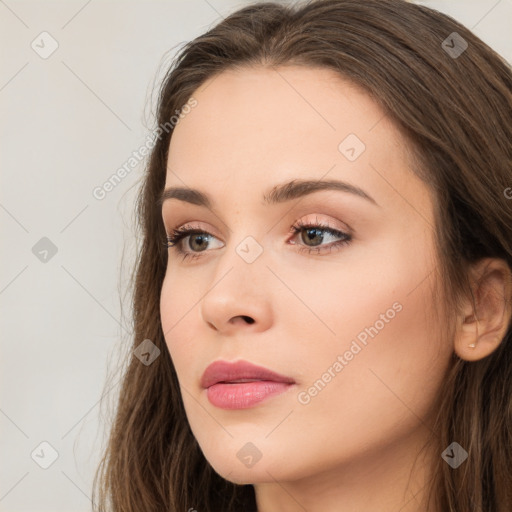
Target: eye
x=313, y=234
x=313, y=237
x=197, y=241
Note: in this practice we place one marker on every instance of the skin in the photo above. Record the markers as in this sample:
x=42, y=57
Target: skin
x=352, y=447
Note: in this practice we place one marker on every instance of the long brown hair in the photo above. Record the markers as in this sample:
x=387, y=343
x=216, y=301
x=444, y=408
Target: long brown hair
x=454, y=111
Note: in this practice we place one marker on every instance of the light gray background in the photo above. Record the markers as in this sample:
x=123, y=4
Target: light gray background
x=68, y=123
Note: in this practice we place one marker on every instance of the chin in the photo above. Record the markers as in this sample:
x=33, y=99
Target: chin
x=236, y=472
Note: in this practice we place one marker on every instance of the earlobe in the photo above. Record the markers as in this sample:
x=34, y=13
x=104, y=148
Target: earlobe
x=482, y=326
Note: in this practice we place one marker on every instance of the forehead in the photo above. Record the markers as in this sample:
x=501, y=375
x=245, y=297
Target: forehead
x=252, y=111
x=254, y=127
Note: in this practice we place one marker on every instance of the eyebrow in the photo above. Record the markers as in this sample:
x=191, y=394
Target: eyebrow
x=279, y=194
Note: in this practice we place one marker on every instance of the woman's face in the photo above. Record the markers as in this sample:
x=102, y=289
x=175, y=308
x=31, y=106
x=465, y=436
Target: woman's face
x=342, y=309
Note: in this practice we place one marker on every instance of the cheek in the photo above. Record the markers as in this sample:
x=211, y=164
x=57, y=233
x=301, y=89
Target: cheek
x=178, y=311
x=378, y=290
x=392, y=313
x=388, y=370
x=383, y=319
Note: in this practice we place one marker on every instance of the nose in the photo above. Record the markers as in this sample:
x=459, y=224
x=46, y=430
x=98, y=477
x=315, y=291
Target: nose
x=238, y=299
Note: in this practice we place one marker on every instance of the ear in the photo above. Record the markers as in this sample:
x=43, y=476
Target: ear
x=482, y=327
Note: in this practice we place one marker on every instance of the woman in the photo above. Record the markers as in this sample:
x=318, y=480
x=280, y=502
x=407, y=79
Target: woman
x=324, y=272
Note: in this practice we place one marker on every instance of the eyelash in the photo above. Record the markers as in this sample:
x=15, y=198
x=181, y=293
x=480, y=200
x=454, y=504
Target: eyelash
x=173, y=240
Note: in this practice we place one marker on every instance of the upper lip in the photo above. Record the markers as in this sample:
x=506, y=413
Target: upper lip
x=225, y=371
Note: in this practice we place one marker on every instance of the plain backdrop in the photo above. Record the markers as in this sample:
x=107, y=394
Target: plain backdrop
x=68, y=121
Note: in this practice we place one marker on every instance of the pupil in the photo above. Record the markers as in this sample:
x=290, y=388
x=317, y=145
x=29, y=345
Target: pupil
x=314, y=232
x=195, y=238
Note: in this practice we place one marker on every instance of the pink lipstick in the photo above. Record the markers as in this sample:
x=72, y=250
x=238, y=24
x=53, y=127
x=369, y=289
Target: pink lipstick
x=241, y=384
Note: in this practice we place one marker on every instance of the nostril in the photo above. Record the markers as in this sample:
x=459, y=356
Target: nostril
x=241, y=318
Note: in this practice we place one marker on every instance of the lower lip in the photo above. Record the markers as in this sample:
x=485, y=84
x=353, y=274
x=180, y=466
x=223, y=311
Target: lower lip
x=243, y=395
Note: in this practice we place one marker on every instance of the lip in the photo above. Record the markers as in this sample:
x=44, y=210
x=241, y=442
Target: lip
x=221, y=380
